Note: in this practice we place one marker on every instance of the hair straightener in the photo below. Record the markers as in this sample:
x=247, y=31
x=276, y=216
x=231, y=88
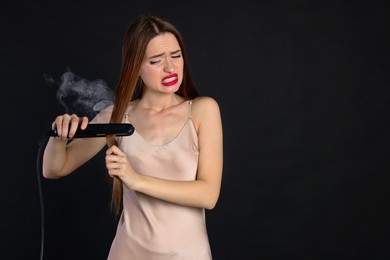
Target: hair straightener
x=100, y=130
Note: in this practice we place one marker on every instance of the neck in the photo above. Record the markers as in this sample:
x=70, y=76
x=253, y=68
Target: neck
x=159, y=103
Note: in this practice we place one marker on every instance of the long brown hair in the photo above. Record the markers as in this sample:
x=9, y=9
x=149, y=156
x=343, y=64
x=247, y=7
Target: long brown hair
x=130, y=87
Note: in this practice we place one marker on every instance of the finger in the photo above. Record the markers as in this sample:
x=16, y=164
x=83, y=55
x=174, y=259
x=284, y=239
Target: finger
x=114, y=169
x=111, y=149
x=113, y=165
x=115, y=158
x=74, y=123
x=116, y=150
x=62, y=123
x=113, y=173
x=65, y=126
x=57, y=125
x=84, y=122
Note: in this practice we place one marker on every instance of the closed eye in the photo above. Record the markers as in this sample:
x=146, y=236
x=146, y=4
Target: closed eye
x=174, y=55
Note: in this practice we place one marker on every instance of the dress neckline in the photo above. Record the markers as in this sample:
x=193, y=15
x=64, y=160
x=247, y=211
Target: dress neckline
x=188, y=122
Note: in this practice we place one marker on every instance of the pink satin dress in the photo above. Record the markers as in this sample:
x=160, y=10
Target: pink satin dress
x=153, y=229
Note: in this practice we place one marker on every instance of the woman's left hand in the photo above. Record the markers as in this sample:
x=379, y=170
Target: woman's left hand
x=118, y=165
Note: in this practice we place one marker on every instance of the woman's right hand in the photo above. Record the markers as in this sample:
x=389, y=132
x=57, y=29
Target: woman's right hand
x=66, y=125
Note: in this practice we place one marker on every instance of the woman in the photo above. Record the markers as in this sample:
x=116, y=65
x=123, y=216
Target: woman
x=171, y=167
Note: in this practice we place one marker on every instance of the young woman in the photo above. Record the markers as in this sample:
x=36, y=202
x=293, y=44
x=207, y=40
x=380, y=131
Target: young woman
x=171, y=167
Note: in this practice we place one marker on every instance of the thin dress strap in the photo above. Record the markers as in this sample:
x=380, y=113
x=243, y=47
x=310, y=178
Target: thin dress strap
x=189, y=110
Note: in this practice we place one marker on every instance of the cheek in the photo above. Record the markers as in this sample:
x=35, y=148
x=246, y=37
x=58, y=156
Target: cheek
x=180, y=66
x=148, y=75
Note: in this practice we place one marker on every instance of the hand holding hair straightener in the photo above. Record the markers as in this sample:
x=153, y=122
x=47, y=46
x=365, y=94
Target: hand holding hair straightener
x=72, y=126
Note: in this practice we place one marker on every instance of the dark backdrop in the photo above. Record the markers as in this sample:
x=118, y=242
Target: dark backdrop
x=304, y=93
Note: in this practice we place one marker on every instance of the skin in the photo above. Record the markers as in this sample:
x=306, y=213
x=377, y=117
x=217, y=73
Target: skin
x=157, y=117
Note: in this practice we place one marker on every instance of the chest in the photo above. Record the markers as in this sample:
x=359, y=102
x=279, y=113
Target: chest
x=159, y=128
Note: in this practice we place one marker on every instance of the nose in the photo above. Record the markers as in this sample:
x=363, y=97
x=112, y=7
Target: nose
x=168, y=66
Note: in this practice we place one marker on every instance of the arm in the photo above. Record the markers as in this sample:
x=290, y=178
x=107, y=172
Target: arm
x=204, y=191
x=61, y=158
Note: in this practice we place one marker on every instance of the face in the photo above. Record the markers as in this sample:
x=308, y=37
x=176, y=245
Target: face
x=162, y=68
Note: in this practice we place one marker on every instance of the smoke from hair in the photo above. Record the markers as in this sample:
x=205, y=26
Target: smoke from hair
x=81, y=96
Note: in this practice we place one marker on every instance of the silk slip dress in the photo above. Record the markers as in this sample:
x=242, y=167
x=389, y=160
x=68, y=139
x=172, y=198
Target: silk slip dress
x=153, y=229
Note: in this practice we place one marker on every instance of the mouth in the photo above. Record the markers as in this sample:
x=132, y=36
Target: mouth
x=170, y=80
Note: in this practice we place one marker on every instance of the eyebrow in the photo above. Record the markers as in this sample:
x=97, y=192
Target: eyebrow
x=161, y=54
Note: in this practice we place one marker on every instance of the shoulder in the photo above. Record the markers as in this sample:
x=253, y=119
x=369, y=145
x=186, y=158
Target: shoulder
x=204, y=103
x=205, y=109
x=104, y=115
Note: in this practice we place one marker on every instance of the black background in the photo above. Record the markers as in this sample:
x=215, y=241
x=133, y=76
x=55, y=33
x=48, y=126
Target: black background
x=304, y=93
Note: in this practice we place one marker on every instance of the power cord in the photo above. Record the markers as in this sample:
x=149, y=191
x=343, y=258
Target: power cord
x=41, y=145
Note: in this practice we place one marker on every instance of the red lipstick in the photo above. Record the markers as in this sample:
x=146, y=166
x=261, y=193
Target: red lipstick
x=170, y=80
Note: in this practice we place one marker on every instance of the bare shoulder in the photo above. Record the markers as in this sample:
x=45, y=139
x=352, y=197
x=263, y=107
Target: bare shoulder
x=104, y=115
x=205, y=109
x=205, y=104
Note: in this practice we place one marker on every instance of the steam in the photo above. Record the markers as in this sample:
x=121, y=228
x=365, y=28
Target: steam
x=81, y=96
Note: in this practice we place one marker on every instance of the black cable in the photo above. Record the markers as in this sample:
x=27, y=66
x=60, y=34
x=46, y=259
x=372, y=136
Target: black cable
x=41, y=144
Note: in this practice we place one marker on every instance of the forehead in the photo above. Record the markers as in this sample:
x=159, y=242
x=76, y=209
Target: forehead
x=165, y=42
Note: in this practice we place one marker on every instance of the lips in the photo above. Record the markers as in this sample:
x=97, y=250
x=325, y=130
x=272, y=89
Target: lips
x=170, y=80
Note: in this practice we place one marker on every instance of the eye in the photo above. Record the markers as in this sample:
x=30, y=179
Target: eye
x=154, y=62
x=176, y=56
